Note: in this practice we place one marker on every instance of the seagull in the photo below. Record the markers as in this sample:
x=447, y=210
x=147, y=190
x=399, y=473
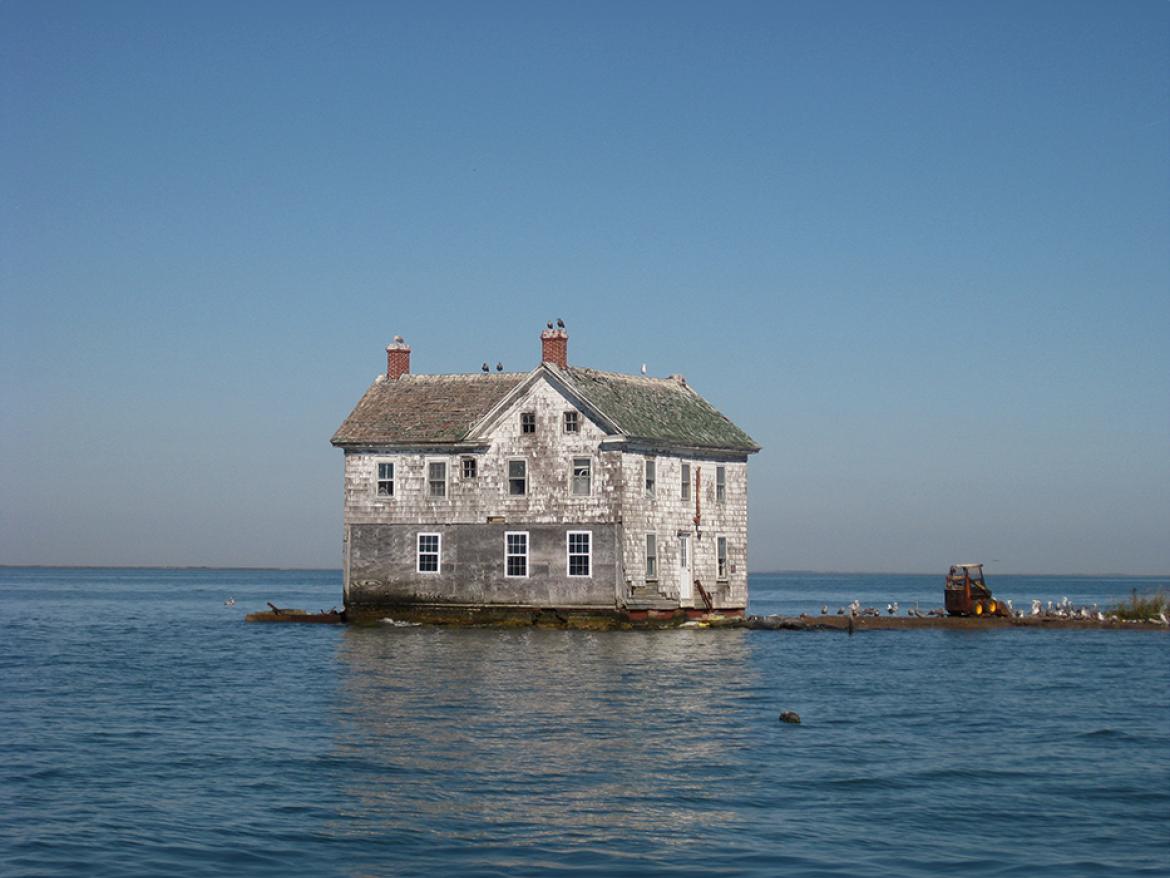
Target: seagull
x=1035, y=607
x=485, y=366
x=892, y=609
x=824, y=609
x=499, y=367
x=855, y=608
x=398, y=339
x=841, y=612
x=230, y=602
x=549, y=324
x=1162, y=618
x=643, y=368
x=560, y=323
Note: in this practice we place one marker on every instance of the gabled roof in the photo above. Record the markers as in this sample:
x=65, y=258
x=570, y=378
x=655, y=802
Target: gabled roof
x=659, y=410
x=423, y=409
x=444, y=409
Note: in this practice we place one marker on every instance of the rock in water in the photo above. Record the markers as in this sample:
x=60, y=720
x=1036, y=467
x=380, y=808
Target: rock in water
x=790, y=716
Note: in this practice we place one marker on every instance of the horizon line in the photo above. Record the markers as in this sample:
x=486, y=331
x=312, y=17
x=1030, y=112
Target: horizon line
x=776, y=572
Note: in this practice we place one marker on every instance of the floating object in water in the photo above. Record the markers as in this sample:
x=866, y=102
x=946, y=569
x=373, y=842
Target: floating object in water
x=790, y=716
x=230, y=602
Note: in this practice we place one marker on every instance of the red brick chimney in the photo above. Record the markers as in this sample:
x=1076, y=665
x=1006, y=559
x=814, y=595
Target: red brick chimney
x=554, y=347
x=397, y=359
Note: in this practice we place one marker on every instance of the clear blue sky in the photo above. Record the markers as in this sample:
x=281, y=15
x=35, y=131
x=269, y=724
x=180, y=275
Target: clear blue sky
x=920, y=251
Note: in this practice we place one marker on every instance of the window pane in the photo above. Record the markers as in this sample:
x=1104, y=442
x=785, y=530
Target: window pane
x=651, y=555
x=720, y=483
x=517, y=477
x=570, y=422
x=528, y=422
x=582, y=471
x=686, y=481
x=516, y=469
x=650, y=471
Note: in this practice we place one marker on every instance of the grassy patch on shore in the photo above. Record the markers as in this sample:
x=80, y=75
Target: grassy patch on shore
x=1143, y=608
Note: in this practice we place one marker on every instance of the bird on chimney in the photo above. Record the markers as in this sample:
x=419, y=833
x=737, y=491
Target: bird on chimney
x=485, y=367
x=499, y=367
x=560, y=323
x=549, y=324
x=398, y=339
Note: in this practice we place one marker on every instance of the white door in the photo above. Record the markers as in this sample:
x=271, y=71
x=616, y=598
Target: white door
x=685, y=588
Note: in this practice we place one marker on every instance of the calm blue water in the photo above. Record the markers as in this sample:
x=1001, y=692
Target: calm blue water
x=146, y=731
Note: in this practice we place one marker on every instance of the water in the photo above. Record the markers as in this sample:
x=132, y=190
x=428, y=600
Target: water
x=146, y=730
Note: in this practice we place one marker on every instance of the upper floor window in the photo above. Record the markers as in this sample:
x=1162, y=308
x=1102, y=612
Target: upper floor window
x=470, y=468
x=385, y=481
x=721, y=557
x=429, y=552
x=571, y=423
x=516, y=553
x=582, y=476
x=517, y=477
x=650, y=472
x=437, y=478
x=528, y=422
x=720, y=484
x=580, y=552
x=685, y=484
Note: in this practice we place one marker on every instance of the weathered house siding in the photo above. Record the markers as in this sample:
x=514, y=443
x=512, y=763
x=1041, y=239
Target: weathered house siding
x=413, y=421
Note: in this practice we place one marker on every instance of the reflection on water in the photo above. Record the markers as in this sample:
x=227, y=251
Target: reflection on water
x=556, y=735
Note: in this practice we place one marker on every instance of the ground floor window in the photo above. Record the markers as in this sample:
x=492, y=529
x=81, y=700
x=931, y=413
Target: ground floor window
x=580, y=551
x=721, y=557
x=651, y=556
x=516, y=553
x=429, y=552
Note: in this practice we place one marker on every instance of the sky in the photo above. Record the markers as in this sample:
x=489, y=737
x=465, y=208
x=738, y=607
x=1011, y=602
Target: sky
x=919, y=251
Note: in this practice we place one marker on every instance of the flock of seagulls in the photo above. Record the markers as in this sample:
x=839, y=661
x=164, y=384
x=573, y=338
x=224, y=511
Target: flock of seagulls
x=1062, y=609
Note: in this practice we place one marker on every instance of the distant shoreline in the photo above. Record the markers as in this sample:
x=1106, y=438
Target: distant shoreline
x=271, y=569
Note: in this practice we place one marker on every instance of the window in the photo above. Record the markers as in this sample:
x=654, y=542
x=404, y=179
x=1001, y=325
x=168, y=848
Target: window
x=517, y=477
x=582, y=476
x=516, y=553
x=651, y=556
x=721, y=557
x=650, y=473
x=580, y=545
x=720, y=484
x=684, y=545
x=385, y=480
x=685, y=485
x=429, y=550
x=528, y=422
x=470, y=468
x=571, y=424
x=437, y=478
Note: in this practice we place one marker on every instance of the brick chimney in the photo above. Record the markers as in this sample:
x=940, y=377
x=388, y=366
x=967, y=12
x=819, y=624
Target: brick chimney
x=554, y=347
x=397, y=359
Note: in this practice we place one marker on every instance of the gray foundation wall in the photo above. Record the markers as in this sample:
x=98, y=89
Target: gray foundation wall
x=382, y=566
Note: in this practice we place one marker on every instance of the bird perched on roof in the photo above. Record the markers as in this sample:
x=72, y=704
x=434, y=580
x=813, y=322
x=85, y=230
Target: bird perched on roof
x=643, y=368
x=549, y=324
x=560, y=323
x=398, y=339
x=485, y=366
x=499, y=367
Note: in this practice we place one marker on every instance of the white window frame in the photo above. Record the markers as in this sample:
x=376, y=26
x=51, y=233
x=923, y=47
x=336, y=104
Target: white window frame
x=684, y=553
x=720, y=484
x=651, y=574
x=508, y=476
x=525, y=556
x=573, y=477
x=721, y=575
x=463, y=462
x=438, y=553
x=685, y=482
x=524, y=415
x=378, y=464
x=576, y=417
x=446, y=478
x=569, y=554
x=650, y=476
